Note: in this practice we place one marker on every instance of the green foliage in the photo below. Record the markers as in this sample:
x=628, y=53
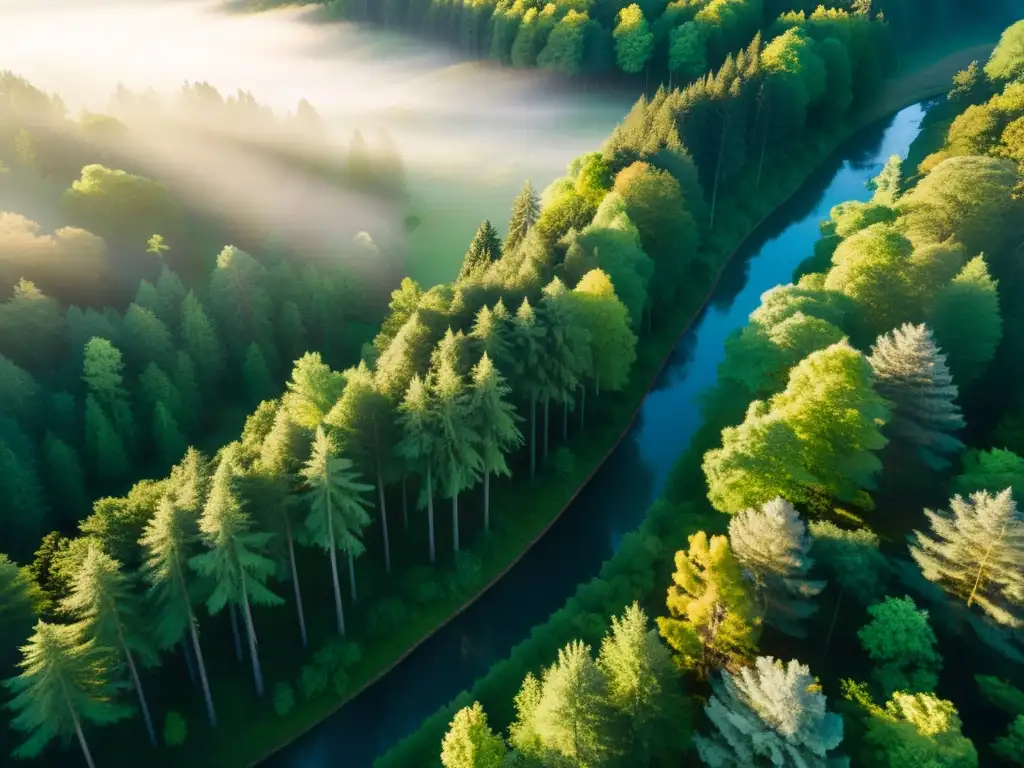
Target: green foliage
x=919, y=729
x=1007, y=60
x=284, y=698
x=525, y=212
x=20, y=601
x=990, y=471
x=259, y=385
x=900, y=641
x=634, y=42
x=175, y=729
x=470, y=742
x=851, y=559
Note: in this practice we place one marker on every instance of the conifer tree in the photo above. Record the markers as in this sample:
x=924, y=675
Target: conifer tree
x=102, y=600
x=901, y=643
x=634, y=41
x=976, y=553
x=199, y=339
x=155, y=386
x=146, y=297
x=363, y=420
x=638, y=674
x=490, y=335
x=337, y=511
x=483, y=251
x=167, y=540
x=713, y=620
x=21, y=598
x=24, y=504
x=418, y=444
x=495, y=425
x=235, y=564
x=172, y=293
x=258, y=383
x=102, y=443
x=770, y=712
x=64, y=477
x=911, y=373
x=167, y=438
x=291, y=331
x=458, y=443
x=470, y=742
x=772, y=545
x=240, y=300
x=145, y=338
x=567, y=355
x=186, y=382
x=525, y=212
x=966, y=319
x=312, y=390
x=64, y=684
x=527, y=345
x=886, y=185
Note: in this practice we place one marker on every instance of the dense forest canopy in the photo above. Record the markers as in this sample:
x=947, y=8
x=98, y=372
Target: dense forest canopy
x=105, y=381
x=868, y=465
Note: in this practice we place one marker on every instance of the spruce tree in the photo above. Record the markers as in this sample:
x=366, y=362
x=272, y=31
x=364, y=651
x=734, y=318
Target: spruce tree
x=337, y=511
x=145, y=338
x=483, y=251
x=525, y=212
x=235, y=565
x=772, y=545
x=911, y=373
x=186, y=382
x=199, y=339
x=64, y=478
x=172, y=293
x=21, y=598
x=418, y=444
x=65, y=683
x=259, y=385
x=146, y=297
x=103, y=445
x=155, y=386
x=495, y=425
x=170, y=444
x=111, y=614
x=312, y=390
x=168, y=539
x=530, y=382
x=769, y=713
x=489, y=335
x=24, y=502
x=976, y=553
x=470, y=742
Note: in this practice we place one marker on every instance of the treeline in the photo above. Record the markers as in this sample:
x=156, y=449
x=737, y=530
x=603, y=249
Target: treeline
x=456, y=373
x=119, y=346
x=854, y=395
x=676, y=39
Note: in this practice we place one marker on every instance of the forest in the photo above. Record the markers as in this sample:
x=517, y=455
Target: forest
x=864, y=442
x=386, y=444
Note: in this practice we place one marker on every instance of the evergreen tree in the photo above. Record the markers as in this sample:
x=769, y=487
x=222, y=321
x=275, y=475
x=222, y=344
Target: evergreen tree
x=18, y=389
x=458, y=443
x=769, y=713
x=772, y=545
x=291, y=331
x=527, y=348
x=24, y=502
x=525, y=212
x=495, y=425
x=199, y=339
x=64, y=477
x=235, y=566
x=967, y=322
x=154, y=387
x=147, y=297
x=418, y=444
x=567, y=355
x=167, y=438
x=102, y=372
x=167, y=540
x=145, y=338
x=886, y=185
x=976, y=553
x=172, y=293
x=919, y=729
x=483, y=251
x=240, y=300
x=490, y=335
x=470, y=742
x=186, y=382
x=713, y=620
x=110, y=614
x=337, y=511
x=901, y=643
x=103, y=445
x=911, y=373
x=639, y=677
x=312, y=390
x=259, y=385
x=634, y=41
x=64, y=684
x=990, y=471
x=20, y=601
x=567, y=718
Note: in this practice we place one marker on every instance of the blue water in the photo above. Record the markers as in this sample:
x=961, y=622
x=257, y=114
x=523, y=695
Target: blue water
x=615, y=501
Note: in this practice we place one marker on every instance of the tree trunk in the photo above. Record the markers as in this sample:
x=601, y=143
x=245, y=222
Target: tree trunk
x=533, y=437
x=202, y=671
x=234, y=631
x=565, y=421
x=384, y=520
x=189, y=664
x=718, y=171
x=352, y=577
x=547, y=431
x=257, y=673
x=455, y=521
x=338, y=610
x=295, y=580
x=405, y=506
x=81, y=740
x=832, y=624
x=597, y=385
x=137, y=685
x=430, y=515
x=199, y=652
x=487, y=501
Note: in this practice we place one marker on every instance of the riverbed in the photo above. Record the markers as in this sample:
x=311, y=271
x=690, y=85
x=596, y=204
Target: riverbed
x=615, y=501
x=470, y=133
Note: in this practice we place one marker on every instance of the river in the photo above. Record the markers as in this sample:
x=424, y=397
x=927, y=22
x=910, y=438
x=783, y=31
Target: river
x=615, y=501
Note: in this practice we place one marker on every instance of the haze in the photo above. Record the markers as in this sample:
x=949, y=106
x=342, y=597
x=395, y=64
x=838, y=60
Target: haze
x=467, y=155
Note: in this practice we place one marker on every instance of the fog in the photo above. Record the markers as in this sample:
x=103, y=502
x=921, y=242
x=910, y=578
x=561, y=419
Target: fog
x=469, y=133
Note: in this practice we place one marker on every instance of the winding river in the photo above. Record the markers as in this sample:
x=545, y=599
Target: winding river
x=616, y=499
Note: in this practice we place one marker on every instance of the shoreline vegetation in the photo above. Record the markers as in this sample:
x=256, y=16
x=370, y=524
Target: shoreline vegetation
x=243, y=499
x=926, y=81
